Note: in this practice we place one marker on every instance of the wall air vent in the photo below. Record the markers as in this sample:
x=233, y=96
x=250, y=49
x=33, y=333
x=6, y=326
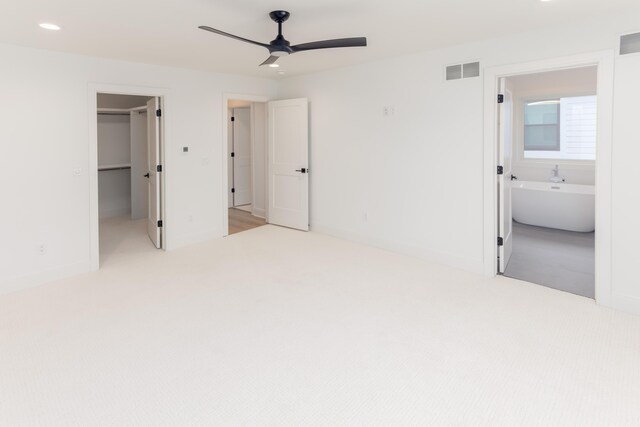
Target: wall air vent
x=462, y=71
x=630, y=43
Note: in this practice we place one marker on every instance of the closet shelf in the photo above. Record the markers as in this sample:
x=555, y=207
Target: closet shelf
x=114, y=167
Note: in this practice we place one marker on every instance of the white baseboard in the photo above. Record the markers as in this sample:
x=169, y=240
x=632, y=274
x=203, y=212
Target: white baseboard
x=191, y=239
x=625, y=303
x=260, y=213
x=110, y=213
x=470, y=265
x=32, y=280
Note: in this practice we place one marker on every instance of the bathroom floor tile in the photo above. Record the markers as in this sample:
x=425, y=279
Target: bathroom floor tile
x=559, y=259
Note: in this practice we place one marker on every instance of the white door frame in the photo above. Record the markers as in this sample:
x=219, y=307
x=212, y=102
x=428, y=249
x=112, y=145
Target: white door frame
x=226, y=97
x=604, y=60
x=93, y=90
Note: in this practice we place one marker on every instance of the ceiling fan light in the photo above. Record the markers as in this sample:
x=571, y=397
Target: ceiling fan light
x=274, y=65
x=280, y=53
x=49, y=26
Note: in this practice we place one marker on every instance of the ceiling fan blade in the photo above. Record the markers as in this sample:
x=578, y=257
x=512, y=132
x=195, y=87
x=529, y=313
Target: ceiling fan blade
x=270, y=60
x=242, y=39
x=328, y=44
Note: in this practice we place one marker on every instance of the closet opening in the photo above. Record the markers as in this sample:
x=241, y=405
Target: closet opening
x=246, y=165
x=129, y=151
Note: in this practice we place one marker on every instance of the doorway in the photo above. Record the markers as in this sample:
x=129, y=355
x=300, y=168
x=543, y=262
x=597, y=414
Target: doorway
x=246, y=147
x=265, y=163
x=129, y=171
x=547, y=148
x=545, y=221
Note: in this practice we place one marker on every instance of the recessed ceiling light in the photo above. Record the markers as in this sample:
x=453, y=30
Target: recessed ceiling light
x=274, y=65
x=281, y=72
x=48, y=26
x=545, y=1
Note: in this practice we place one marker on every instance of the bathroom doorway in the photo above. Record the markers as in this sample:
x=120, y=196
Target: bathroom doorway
x=549, y=224
x=547, y=140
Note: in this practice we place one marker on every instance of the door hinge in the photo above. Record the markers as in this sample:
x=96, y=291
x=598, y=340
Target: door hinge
x=500, y=98
x=158, y=113
x=159, y=168
x=500, y=170
x=233, y=154
x=233, y=119
x=233, y=190
x=159, y=223
x=500, y=241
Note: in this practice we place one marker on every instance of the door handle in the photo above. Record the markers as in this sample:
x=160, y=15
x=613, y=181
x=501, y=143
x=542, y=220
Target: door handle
x=146, y=175
x=302, y=170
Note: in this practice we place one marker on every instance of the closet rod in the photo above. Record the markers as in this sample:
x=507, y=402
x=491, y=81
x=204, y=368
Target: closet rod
x=113, y=114
x=113, y=168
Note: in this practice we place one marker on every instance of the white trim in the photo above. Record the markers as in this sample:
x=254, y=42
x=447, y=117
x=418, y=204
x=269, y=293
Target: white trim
x=92, y=111
x=30, y=280
x=605, y=62
x=467, y=264
x=260, y=213
x=226, y=97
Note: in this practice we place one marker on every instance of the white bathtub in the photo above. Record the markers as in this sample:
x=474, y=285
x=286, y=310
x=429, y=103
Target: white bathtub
x=547, y=204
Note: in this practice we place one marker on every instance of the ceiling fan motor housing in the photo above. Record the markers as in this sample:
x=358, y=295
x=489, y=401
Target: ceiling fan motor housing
x=279, y=16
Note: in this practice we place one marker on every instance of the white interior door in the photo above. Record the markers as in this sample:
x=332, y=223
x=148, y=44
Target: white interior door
x=230, y=159
x=288, y=160
x=153, y=149
x=242, y=157
x=139, y=166
x=505, y=155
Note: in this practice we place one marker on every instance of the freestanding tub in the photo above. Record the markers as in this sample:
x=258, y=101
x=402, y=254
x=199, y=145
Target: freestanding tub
x=547, y=204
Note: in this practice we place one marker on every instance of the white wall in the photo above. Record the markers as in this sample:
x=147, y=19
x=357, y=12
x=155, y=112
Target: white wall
x=413, y=181
x=575, y=82
x=50, y=205
x=259, y=153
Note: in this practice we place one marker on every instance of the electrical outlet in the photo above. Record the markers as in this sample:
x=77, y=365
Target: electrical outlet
x=42, y=249
x=365, y=216
x=385, y=111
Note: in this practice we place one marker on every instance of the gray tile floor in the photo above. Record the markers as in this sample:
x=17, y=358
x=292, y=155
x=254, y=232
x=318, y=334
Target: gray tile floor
x=559, y=259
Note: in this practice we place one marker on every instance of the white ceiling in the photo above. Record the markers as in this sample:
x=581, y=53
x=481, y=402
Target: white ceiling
x=164, y=32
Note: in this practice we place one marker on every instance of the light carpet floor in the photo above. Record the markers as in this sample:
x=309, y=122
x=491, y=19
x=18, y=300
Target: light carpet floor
x=283, y=328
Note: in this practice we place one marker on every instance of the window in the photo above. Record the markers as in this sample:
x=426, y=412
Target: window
x=563, y=129
x=542, y=126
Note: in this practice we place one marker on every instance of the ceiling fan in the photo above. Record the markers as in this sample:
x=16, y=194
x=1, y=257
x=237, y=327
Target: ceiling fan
x=281, y=46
